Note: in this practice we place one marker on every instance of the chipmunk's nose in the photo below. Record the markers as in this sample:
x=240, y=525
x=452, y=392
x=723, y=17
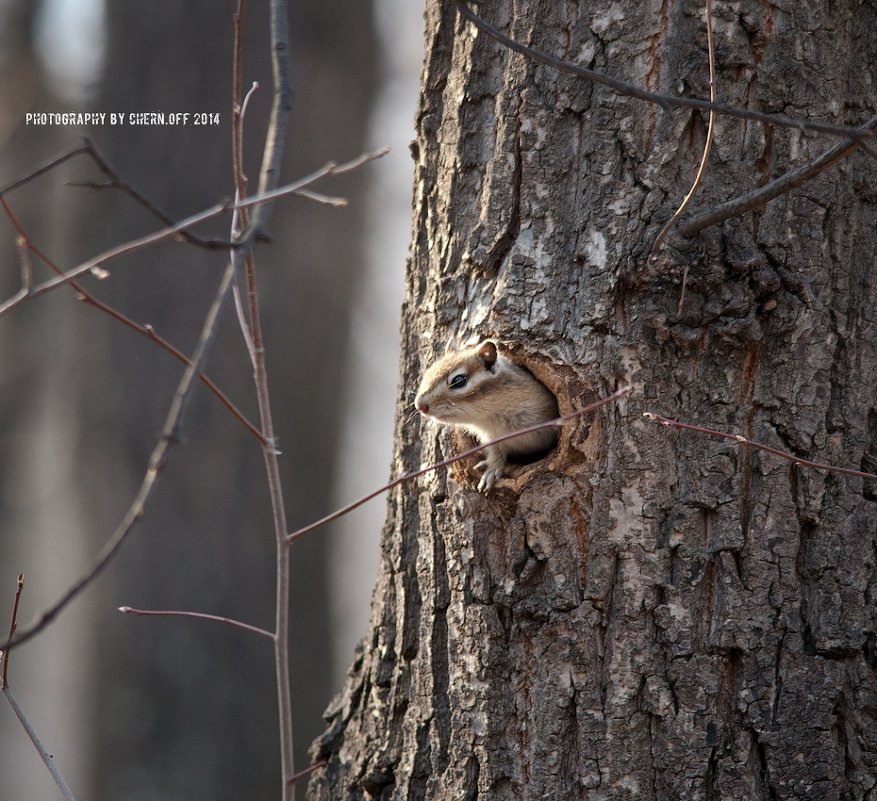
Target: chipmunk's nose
x=422, y=406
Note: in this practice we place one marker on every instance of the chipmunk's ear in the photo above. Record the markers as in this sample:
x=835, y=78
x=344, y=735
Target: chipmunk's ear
x=487, y=352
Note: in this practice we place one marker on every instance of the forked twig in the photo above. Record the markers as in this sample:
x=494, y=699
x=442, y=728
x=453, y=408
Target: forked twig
x=269, y=175
x=259, y=200
x=157, y=460
x=144, y=330
x=13, y=625
x=779, y=186
x=47, y=167
x=117, y=182
x=47, y=758
x=170, y=431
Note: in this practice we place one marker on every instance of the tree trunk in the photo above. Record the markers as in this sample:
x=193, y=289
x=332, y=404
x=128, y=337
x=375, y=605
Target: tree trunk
x=644, y=614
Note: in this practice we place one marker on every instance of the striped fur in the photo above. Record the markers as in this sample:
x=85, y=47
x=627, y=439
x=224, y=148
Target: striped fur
x=485, y=394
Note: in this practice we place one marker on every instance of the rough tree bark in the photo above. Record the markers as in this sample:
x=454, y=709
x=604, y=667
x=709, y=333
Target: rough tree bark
x=644, y=614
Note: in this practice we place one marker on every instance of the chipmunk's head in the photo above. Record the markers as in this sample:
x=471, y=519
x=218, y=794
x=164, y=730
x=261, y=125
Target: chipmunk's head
x=457, y=386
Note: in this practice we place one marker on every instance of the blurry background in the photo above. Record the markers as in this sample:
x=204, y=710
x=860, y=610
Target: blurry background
x=136, y=708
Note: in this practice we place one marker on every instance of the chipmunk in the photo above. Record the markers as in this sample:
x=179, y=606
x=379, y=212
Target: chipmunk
x=488, y=396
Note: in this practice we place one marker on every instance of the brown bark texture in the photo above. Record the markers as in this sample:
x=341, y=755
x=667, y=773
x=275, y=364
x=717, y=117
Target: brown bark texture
x=644, y=614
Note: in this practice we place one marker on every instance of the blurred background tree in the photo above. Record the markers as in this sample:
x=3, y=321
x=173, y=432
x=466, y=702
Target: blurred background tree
x=136, y=708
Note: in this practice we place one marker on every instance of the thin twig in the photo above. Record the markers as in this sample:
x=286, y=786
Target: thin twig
x=117, y=182
x=268, y=178
x=329, y=200
x=237, y=106
x=144, y=330
x=47, y=167
x=13, y=625
x=48, y=761
x=555, y=423
x=664, y=101
x=789, y=457
x=269, y=175
x=24, y=259
x=250, y=92
x=161, y=235
x=275, y=137
x=158, y=458
x=241, y=218
x=704, y=158
x=307, y=771
x=779, y=186
x=228, y=621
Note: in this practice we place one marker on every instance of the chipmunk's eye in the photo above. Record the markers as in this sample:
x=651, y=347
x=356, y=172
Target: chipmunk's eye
x=458, y=381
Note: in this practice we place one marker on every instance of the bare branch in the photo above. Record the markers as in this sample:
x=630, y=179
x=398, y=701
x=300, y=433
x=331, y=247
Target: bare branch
x=269, y=176
x=166, y=233
x=128, y=610
x=19, y=712
x=117, y=182
x=47, y=167
x=48, y=761
x=664, y=101
x=13, y=625
x=169, y=435
x=779, y=186
x=24, y=259
x=306, y=771
x=157, y=460
x=789, y=457
x=241, y=217
x=555, y=423
x=144, y=330
x=337, y=202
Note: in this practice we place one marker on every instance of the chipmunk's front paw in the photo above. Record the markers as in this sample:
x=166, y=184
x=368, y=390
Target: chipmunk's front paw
x=493, y=467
